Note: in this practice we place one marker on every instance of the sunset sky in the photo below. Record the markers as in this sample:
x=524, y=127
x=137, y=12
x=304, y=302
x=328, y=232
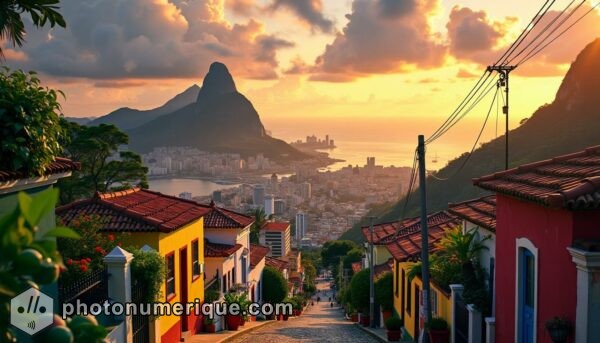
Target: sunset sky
x=346, y=62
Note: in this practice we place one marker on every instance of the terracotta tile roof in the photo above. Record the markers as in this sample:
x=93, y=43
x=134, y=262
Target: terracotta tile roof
x=59, y=165
x=356, y=267
x=387, y=266
x=221, y=218
x=135, y=210
x=480, y=211
x=276, y=226
x=406, y=244
x=384, y=230
x=570, y=181
x=276, y=263
x=219, y=250
x=257, y=253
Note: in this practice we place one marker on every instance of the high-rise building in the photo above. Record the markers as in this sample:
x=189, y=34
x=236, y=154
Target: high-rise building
x=276, y=235
x=305, y=190
x=370, y=162
x=217, y=196
x=269, y=205
x=279, y=206
x=301, y=226
x=274, y=182
x=258, y=197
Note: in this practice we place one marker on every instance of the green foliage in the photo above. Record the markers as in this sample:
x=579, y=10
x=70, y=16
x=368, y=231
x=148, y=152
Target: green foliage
x=275, y=286
x=86, y=254
x=259, y=219
x=354, y=255
x=394, y=323
x=332, y=250
x=148, y=269
x=29, y=258
x=460, y=248
x=384, y=291
x=475, y=291
x=359, y=289
x=30, y=118
x=95, y=147
x=437, y=324
x=213, y=293
x=12, y=27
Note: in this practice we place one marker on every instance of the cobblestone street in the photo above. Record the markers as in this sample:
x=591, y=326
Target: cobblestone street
x=319, y=323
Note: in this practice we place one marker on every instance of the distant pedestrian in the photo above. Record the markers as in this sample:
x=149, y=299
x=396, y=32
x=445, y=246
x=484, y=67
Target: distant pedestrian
x=318, y=299
x=331, y=305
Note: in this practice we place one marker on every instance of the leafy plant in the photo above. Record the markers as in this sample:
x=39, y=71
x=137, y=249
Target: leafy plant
x=148, y=269
x=384, y=291
x=460, y=247
x=558, y=323
x=12, y=27
x=437, y=323
x=394, y=323
x=359, y=289
x=29, y=113
x=275, y=286
x=29, y=258
x=260, y=217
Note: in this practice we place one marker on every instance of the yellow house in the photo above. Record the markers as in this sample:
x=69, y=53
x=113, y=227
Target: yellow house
x=173, y=227
x=405, y=249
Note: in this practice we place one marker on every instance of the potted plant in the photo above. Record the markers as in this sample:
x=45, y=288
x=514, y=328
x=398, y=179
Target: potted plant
x=209, y=325
x=559, y=329
x=232, y=321
x=244, y=303
x=384, y=294
x=364, y=319
x=394, y=329
x=353, y=315
x=438, y=330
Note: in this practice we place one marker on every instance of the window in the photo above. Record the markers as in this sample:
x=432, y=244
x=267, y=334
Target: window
x=408, y=297
x=224, y=283
x=170, y=282
x=195, y=261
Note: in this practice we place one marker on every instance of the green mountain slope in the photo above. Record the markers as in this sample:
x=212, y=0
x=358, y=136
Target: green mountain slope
x=570, y=123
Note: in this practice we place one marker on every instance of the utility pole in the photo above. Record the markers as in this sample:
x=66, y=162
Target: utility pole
x=503, y=71
x=424, y=240
x=371, y=278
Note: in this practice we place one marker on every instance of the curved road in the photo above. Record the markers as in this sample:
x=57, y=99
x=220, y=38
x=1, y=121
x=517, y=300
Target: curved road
x=319, y=323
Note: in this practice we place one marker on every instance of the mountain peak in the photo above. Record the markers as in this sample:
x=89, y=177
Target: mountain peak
x=580, y=84
x=218, y=81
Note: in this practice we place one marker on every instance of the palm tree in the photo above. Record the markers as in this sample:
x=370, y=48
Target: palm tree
x=12, y=27
x=259, y=219
x=460, y=248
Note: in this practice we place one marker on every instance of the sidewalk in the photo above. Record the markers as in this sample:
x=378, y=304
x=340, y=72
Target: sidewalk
x=224, y=336
x=378, y=333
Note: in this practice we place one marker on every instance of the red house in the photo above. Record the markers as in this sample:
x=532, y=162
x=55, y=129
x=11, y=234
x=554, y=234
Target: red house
x=548, y=256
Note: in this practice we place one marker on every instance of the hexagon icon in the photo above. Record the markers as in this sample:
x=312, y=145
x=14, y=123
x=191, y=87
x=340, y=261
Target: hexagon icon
x=31, y=311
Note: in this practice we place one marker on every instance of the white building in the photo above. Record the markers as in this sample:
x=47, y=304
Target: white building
x=185, y=195
x=258, y=197
x=301, y=226
x=305, y=190
x=276, y=236
x=269, y=205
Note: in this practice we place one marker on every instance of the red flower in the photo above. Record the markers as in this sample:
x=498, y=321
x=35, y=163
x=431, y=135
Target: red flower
x=111, y=237
x=98, y=249
x=69, y=262
x=84, y=268
x=88, y=260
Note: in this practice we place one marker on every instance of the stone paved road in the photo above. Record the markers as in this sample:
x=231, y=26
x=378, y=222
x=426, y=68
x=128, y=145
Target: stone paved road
x=319, y=323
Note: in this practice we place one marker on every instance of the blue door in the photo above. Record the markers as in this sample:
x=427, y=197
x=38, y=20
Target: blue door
x=527, y=296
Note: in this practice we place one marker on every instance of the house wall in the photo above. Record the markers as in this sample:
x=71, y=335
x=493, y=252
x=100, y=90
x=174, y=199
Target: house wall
x=166, y=243
x=550, y=231
x=233, y=236
x=223, y=264
x=254, y=277
x=443, y=309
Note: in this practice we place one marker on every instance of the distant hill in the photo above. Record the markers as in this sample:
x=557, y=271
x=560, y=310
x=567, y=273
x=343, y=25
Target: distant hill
x=220, y=119
x=80, y=121
x=569, y=124
x=128, y=118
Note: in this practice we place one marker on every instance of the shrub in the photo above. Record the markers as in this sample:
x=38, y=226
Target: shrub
x=437, y=324
x=394, y=323
x=275, y=286
x=148, y=268
x=30, y=132
x=359, y=290
x=384, y=291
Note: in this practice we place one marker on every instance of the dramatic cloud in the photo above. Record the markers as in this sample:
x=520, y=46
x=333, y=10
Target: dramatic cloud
x=309, y=11
x=382, y=37
x=298, y=66
x=110, y=39
x=241, y=7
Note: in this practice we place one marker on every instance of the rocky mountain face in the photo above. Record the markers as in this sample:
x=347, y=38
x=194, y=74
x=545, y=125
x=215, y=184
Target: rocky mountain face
x=219, y=120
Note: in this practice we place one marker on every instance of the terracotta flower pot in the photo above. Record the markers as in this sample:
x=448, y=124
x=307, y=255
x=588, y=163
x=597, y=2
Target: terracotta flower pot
x=242, y=321
x=233, y=322
x=439, y=336
x=354, y=318
x=394, y=335
x=210, y=328
x=285, y=317
x=280, y=317
x=299, y=312
x=386, y=315
x=364, y=320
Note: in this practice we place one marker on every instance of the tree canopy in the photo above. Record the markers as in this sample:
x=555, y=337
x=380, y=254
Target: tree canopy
x=332, y=251
x=359, y=290
x=103, y=166
x=275, y=286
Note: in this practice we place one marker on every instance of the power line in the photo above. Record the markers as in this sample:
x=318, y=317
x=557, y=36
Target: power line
x=559, y=35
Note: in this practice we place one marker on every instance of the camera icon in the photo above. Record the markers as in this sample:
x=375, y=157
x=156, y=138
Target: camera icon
x=31, y=311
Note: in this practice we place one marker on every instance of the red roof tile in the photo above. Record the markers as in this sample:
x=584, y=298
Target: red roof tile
x=384, y=230
x=275, y=226
x=59, y=165
x=257, y=253
x=405, y=245
x=135, y=210
x=221, y=218
x=571, y=181
x=480, y=211
x=276, y=263
x=387, y=266
x=219, y=250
